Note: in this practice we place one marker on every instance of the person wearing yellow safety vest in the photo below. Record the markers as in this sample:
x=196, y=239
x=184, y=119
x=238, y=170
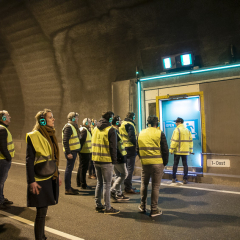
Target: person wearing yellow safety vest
x=91, y=168
x=71, y=148
x=153, y=151
x=181, y=146
x=120, y=168
x=128, y=134
x=104, y=155
x=6, y=154
x=42, y=161
x=85, y=153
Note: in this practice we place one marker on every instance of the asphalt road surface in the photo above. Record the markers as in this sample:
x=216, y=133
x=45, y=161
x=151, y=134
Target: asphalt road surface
x=192, y=211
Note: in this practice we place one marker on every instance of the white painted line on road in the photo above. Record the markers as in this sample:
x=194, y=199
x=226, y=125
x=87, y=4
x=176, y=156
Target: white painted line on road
x=171, y=185
x=195, y=188
x=48, y=229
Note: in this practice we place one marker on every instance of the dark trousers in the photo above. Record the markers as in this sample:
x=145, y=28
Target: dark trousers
x=69, y=168
x=155, y=171
x=4, y=168
x=130, y=168
x=84, y=159
x=40, y=223
x=175, y=165
x=91, y=168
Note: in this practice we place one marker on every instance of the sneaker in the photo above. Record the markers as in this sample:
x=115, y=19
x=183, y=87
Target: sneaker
x=94, y=176
x=111, y=211
x=114, y=196
x=6, y=201
x=75, y=190
x=185, y=181
x=174, y=180
x=86, y=187
x=155, y=213
x=3, y=206
x=100, y=209
x=122, y=197
x=142, y=208
x=71, y=192
x=131, y=191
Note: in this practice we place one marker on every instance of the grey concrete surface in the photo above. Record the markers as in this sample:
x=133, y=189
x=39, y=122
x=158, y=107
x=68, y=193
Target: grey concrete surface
x=188, y=213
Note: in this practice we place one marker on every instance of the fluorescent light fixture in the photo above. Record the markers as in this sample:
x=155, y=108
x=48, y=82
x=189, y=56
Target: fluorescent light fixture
x=186, y=59
x=215, y=68
x=189, y=72
x=165, y=76
x=167, y=63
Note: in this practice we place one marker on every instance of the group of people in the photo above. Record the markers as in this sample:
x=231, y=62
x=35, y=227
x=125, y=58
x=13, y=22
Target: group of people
x=107, y=145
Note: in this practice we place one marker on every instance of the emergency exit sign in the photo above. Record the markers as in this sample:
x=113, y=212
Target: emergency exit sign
x=218, y=163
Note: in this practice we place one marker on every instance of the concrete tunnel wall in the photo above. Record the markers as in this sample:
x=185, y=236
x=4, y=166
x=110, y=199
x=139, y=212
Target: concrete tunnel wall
x=64, y=55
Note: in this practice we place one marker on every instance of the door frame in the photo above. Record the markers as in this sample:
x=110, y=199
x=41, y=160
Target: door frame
x=203, y=126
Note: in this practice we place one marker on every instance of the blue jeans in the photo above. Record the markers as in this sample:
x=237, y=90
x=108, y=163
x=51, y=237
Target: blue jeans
x=121, y=174
x=69, y=168
x=4, y=168
x=175, y=166
x=104, y=174
x=130, y=169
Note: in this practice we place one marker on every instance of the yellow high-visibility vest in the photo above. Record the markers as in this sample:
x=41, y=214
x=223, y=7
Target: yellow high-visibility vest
x=100, y=145
x=149, y=146
x=42, y=148
x=124, y=134
x=87, y=146
x=10, y=144
x=181, y=141
x=74, y=143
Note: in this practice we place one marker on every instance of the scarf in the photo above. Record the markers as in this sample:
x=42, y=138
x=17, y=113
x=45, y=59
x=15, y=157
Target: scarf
x=49, y=132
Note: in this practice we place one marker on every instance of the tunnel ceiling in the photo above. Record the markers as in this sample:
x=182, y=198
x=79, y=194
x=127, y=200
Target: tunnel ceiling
x=64, y=55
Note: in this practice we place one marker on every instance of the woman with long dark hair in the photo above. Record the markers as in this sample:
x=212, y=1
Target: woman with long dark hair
x=42, y=162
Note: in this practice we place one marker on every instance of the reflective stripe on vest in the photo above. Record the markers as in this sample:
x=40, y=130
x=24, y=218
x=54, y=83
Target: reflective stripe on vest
x=87, y=146
x=42, y=148
x=100, y=145
x=10, y=144
x=181, y=141
x=74, y=143
x=149, y=146
x=124, y=134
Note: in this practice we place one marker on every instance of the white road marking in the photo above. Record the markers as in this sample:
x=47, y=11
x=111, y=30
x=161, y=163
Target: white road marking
x=48, y=229
x=195, y=188
x=171, y=185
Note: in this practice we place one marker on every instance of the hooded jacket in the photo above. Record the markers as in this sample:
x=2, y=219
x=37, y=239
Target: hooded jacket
x=112, y=138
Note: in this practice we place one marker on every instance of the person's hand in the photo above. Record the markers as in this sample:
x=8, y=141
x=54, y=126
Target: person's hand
x=70, y=156
x=60, y=181
x=34, y=188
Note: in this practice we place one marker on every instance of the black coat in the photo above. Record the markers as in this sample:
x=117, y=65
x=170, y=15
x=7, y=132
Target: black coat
x=3, y=142
x=50, y=188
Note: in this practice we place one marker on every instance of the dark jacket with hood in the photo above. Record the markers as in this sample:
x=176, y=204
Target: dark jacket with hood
x=131, y=151
x=163, y=148
x=112, y=138
x=120, y=157
x=66, y=136
x=3, y=142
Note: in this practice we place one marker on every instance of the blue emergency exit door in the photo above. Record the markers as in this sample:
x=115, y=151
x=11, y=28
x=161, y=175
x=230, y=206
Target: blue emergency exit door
x=189, y=110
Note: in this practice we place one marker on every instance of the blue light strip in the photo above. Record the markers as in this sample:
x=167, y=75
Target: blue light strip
x=139, y=107
x=189, y=72
x=172, y=75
